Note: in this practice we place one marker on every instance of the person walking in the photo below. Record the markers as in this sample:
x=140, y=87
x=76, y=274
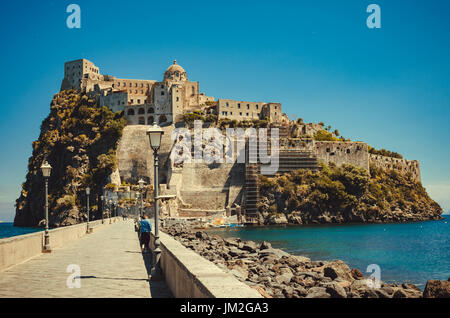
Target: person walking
x=145, y=228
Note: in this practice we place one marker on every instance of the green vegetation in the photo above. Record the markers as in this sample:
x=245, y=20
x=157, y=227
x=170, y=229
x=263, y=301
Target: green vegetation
x=346, y=194
x=191, y=117
x=79, y=140
x=384, y=152
x=323, y=135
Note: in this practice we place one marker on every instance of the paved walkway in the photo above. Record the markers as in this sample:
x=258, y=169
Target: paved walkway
x=110, y=262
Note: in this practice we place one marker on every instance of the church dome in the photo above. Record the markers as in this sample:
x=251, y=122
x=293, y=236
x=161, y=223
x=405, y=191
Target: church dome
x=175, y=72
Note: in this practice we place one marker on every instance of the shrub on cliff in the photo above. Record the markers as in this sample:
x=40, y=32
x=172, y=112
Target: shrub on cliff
x=346, y=194
x=384, y=152
x=78, y=139
x=323, y=135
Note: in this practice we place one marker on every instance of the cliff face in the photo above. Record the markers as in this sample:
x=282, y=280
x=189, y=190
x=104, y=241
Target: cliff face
x=344, y=194
x=79, y=140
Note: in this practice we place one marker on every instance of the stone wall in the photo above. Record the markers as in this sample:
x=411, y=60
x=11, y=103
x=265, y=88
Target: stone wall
x=354, y=153
x=211, y=187
x=400, y=165
x=189, y=275
x=135, y=158
x=338, y=152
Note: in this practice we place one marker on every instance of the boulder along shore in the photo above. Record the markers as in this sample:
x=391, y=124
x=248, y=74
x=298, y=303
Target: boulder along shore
x=277, y=274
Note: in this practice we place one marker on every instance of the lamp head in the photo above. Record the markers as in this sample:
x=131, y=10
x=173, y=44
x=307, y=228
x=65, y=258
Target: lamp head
x=88, y=190
x=46, y=169
x=141, y=184
x=154, y=135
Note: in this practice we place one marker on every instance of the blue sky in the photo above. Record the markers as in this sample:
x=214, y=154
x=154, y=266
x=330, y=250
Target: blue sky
x=388, y=87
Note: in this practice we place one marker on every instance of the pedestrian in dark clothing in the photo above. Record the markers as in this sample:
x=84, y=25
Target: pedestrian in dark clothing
x=146, y=228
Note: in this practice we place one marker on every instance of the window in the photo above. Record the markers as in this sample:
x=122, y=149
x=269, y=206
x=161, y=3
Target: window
x=178, y=98
x=141, y=120
x=135, y=84
x=141, y=111
x=118, y=103
x=247, y=114
x=131, y=101
x=162, y=119
x=348, y=150
x=239, y=105
x=231, y=113
x=150, y=120
x=257, y=106
x=151, y=110
x=240, y=113
x=162, y=93
x=248, y=106
x=118, y=84
x=131, y=85
x=227, y=104
x=130, y=112
x=142, y=84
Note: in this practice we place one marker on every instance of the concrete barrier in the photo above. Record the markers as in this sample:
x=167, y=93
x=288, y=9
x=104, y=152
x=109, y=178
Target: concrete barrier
x=17, y=249
x=189, y=275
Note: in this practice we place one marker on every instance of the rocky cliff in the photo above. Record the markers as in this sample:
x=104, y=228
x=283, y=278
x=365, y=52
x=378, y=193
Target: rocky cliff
x=344, y=194
x=79, y=140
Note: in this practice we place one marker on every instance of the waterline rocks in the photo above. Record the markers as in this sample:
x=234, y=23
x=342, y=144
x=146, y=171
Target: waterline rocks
x=275, y=273
x=437, y=289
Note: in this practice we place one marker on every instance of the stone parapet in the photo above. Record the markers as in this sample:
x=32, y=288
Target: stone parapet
x=189, y=275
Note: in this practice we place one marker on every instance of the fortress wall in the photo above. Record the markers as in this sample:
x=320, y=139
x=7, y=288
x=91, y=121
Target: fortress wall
x=208, y=186
x=400, y=165
x=135, y=158
x=354, y=153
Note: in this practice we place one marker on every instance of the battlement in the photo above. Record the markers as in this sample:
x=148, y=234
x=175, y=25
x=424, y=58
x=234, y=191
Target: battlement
x=401, y=165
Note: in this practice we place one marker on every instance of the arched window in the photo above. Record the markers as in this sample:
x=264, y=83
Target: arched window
x=151, y=110
x=141, y=111
x=130, y=112
x=150, y=120
x=141, y=120
x=162, y=119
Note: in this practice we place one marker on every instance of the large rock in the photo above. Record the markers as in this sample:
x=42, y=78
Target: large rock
x=337, y=269
x=277, y=219
x=335, y=290
x=283, y=278
x=273, y=252
x=250, y=246
x=437, y=289
x=318, y=292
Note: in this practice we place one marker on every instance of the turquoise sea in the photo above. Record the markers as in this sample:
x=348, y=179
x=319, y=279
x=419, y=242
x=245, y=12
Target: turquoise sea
x=7, y=229
x=407, y=252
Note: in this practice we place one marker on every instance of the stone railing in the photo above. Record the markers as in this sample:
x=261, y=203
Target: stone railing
x=189, y=275
x=17, y=249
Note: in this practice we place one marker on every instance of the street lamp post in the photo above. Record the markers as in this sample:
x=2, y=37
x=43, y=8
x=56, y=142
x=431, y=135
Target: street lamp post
x=88, y=192
x=141, y=187
x=154, y=135
x=46, y=170
x=103, y=206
